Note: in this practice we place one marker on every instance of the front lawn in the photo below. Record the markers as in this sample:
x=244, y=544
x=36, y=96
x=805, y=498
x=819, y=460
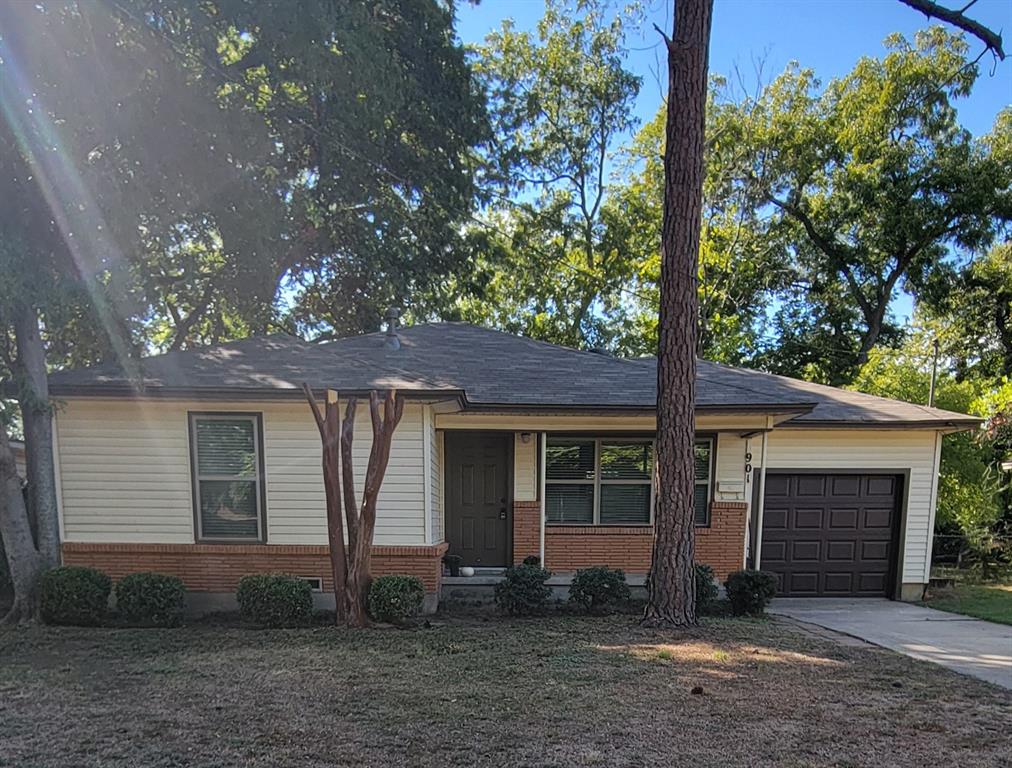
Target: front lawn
x=553, y=692
x=991, y=602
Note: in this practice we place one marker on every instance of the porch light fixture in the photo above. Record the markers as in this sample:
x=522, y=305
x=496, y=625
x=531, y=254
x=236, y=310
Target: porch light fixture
x=525, y=437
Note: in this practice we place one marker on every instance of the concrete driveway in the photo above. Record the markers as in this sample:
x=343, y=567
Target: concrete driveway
x=970, y=646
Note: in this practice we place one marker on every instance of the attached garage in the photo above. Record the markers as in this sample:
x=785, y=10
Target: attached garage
x=832, y=534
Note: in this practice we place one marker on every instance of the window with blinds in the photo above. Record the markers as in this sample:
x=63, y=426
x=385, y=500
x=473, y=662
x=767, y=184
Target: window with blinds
x=704, y=476
x=607, y=481
x=227, y=476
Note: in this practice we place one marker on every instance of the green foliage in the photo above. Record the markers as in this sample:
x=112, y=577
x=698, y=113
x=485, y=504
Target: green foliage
x=740, y=266
x=523, y=590
x=275, y=600
x=532, y=560
x=706, y=587
x=598, y=588
x=970, y=485
x=151, y=599
x=395, y=598
x=750, y=591
x=109, y=171
x=375, y=117
x=975, y=303
x=872, y=180
x=560, y=98
x=74, y=595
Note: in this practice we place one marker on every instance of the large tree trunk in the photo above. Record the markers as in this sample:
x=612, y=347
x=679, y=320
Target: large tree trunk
x=671, y=584
x=37, y=415
x=23, y=559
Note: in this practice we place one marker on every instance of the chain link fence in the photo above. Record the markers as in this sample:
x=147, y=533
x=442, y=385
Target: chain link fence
x=984, y=558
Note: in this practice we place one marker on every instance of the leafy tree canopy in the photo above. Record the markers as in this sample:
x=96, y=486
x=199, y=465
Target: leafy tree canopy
x=560, y=99
x=374, y=117
x=872, y=181
x=970, y=484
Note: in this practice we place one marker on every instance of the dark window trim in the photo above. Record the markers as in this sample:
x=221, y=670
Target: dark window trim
x=711, y=484
x=712, y=437
x=258, y=420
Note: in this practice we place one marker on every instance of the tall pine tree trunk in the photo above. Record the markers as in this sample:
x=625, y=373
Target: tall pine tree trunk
x=37, y=415
x=671, y=585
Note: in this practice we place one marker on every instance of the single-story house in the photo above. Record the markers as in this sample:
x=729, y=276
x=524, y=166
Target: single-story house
x=206, y=464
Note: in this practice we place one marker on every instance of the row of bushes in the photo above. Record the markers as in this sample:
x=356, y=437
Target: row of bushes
x=80, y=596
x=525, y=592
x=275, y=600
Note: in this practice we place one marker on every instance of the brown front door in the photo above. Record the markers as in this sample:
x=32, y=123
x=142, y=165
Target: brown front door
x=831, y=534
x=478, y=497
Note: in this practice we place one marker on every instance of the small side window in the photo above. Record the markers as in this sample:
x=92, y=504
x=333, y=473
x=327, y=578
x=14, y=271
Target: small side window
x=227, y=476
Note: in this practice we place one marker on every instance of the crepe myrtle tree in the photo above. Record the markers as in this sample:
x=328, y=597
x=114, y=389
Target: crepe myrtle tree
x=350, y=562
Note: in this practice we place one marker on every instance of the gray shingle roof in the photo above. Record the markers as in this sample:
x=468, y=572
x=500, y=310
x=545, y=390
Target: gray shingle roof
x=484, y=368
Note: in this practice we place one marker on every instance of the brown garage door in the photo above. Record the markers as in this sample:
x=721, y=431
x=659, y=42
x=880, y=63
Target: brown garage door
x=831, y=534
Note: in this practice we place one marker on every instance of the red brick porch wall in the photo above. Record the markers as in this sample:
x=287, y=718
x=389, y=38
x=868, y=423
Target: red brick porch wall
x=218, y=567
x=721, y=545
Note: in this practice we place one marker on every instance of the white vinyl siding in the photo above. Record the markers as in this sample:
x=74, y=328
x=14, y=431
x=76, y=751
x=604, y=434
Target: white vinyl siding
x=435, y=458
x=125, y=472
x=872, y=450
x=525, y=467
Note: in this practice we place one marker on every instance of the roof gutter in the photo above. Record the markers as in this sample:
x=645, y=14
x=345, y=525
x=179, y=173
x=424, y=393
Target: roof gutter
x=944, y=425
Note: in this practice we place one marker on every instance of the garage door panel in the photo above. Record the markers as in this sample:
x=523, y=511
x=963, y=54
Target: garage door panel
x=872, y=583
x=806, y=551
x=843, y=518
x=774, y=552
x=808, y=517
x=778, y=486
x=841, y=551
x=804, y=583
x=830, y=534
x=810, y=485
x=883, y=485
x=845, y=485
x=837, y=582
x=875, y=550
x=777, y=519
x=878, y=517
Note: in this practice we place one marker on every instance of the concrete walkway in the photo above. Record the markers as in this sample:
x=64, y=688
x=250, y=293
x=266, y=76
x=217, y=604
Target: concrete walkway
x=973, y=647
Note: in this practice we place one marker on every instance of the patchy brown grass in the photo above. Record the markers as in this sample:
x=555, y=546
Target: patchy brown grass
x=561, y=691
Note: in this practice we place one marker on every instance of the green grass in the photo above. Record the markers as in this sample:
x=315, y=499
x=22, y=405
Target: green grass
x=557, y=692
x=990, y=602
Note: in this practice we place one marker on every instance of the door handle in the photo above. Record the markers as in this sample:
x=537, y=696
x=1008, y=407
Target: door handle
x=502, y=513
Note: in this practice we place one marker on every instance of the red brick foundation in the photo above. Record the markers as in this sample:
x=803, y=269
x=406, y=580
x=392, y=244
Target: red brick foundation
x=218, y=567
x=721, y=545
x=526, y=530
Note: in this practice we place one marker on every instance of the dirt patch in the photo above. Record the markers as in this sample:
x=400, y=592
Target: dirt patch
x=546, y=692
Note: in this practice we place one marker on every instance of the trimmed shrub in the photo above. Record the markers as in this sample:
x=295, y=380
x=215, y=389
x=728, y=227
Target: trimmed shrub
x=395, y=598
x=74, y=595
x=706, y=587
x=523, y=591
x=151, y=599
x=597, y=588
x=750, y=591
x=532, y=560
x=275, y=600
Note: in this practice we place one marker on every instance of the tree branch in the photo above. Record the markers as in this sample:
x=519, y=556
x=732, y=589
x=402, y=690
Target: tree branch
x=956, y=18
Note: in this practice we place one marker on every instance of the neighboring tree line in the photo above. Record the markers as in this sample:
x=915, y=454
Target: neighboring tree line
x=188, y=171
